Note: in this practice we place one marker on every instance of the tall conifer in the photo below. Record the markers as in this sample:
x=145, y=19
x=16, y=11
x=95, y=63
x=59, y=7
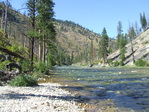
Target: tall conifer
x=103, y=46
x=143, y=21
x=132, y=35
x=31, y=5
x=121, y=42
x=45, y=25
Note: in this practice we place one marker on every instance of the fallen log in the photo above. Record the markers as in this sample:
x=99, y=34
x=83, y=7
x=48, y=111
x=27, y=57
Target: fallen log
x=11, y=53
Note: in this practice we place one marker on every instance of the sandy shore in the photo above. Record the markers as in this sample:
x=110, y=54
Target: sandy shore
x=47, y=97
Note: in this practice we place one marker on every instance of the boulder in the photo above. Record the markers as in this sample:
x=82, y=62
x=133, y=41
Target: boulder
x=6, y=76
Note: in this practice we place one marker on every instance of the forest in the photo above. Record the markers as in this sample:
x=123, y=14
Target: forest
x=28, y=41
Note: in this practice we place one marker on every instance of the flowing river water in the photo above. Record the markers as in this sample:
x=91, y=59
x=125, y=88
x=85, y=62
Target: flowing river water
x=107, y=89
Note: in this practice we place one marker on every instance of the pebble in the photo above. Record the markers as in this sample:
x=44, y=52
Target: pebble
x=47, y=97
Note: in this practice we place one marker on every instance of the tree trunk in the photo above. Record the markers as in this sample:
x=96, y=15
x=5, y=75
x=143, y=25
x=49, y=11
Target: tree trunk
x=43, y=51
x=32, y=52
x=40, y=50
x=2, y=19
x=5, y=26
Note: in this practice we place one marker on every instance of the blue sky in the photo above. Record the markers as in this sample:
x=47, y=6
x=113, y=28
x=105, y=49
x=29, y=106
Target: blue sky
x=96, y=14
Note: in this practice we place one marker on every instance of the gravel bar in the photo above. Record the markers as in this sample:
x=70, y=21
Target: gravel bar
x=46, y=97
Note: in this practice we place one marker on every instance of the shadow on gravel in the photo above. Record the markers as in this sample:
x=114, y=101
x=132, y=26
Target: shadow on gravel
x=17, y=96
x=13, y=95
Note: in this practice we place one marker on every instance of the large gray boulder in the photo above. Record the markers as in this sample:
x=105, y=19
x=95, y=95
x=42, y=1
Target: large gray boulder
x=6, y=76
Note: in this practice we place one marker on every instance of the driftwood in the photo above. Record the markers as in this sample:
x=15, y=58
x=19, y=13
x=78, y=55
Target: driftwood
x=11, y=53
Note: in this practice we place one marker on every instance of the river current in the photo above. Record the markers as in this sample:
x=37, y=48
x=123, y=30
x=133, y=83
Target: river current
x=107, y=89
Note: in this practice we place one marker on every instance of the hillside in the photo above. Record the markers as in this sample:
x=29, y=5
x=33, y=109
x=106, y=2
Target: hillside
x=73, y=40
x=140, y=46
x=76, y=39
x=16, y=25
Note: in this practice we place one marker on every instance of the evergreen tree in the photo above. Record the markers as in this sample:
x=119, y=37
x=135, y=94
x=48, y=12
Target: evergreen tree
x=31, y=5
x=121, y=42
x=137, y=29
x=143, y=21
x=132, y=35
x=122, y=47
x=45, y=26
x=6, y=11
x=103, y=46
x=91, y=52
x=119, y=28
x=119, y=31
x=2, y=5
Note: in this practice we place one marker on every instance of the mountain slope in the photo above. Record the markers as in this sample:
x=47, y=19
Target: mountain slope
x=71, y=38
x=75, y=39
x=140, y=46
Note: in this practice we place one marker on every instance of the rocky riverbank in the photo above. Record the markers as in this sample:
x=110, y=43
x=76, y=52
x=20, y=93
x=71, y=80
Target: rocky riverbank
x=47, y=97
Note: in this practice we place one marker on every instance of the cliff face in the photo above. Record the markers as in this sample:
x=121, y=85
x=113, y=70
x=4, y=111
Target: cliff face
x=140, y=46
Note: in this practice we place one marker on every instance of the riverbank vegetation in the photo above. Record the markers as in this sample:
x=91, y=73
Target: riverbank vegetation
x=36, y=51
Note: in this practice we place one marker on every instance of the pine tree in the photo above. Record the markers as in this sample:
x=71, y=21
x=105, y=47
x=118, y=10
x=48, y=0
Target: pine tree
x=143, y=21
x=119, y=28
x=119, y=32
x=45, y=25
x=31, y=5
x=132, y=35
x=2, y=5
x=6, y=11
x=137, y=28
x=121, y=42
x=91, y=52
x=103, y=46
x=122, y=48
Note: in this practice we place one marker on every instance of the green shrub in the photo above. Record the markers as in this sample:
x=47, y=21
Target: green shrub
x=37, y=75
x=42, y=67
x=24, y=80
x=3, y=64
x=50, y=61
x=97, y=62
x=110, y=61
x=141, y=63
x=14, y=48
x=116, y=63
x=25, y=64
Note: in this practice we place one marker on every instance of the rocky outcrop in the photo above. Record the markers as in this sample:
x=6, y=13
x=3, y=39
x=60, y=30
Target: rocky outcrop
x=6, y=76
x=140, y=46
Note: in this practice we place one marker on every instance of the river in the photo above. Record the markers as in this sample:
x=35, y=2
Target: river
x=107, y=89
